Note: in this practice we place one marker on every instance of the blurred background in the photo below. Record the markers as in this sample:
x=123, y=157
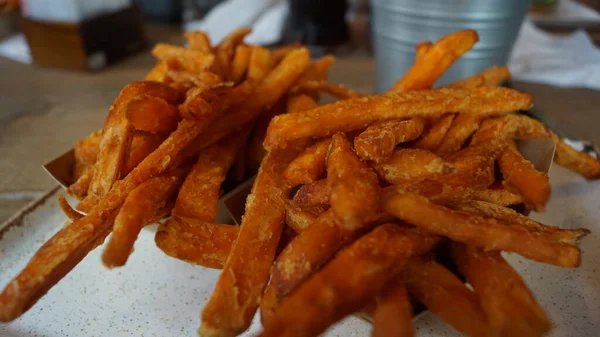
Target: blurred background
x=62, y=62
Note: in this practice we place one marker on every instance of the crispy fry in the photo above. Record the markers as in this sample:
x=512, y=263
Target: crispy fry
x=176, y=57
x=234, y=301
x=158, y=73
x=240, y=63
x=205, y=102
x=188, y=80
x=80, y=187
x=509, y=216
x=256, y=152
x=86, y=150
x=349, y=115
x=142, y=145
x=198, y=41
x=490, y=77
x=261, y=63
x=67, y=209
x=434, y=136
x=489, y=234
x=407, y=165
x=508, y=304
x=348, y=282
x=298, y=103
x=298, y=218
x=280, y=52
x=354, y=186
x=446, y=296
x=151, y=114
x=226, y=49
x=309, y=165
x=195, y=241
x=575, y=161
x=422, y=49
x=378, y=141
x=318, y=69
x=392, y=316
x=139, y=209
x=316, y=86
x=437, y=60
x=313, y=194
x=498, y=196
x=461, y=129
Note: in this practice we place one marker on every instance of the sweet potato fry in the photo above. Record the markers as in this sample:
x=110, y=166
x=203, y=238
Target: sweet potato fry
x=204, y=102
x=393, y=313
x=349, y=115
x=280, y=52
x=576, y=161
x=256, y=152
x=298, y=218
x=188, y=80
x=298, y=103
x=198, y=41
x=313, y=194
x=86, y=150
x=508, y=304
x=446, y=296
x=379, y=140
x=67, y=209
x=461, y=129
x=80, y=187
x=151, y=114
x=318, y=69
x=226, y=49
x=434, y=136
x=490, y=77
x=509, y=216
x=486, y=233
x=521, y=177
x=406, y=165
x=421, y=50
x=309, y=165
x=235, y=299
x=158, y=73
x=239, y=65
x=195, y=241
x=315, y=86
x=436, y=61
x=498, y=196
x=142, y=145
x=176, y=57
x=348, y=282
x=139, y=209
x=261, y=63
x=354, y=186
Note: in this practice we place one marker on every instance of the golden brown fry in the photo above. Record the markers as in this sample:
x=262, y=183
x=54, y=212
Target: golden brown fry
x=490, y=77
x=142, y=145
x=499, y=196
x=393, y=314
x=256, y=152
x=437, y=60
x=198, y=41
x=316, y=86
x=347, y=283
x=158, y=73
x=508, y=304
x=350, y=114
x=298, y=103
x=489, y=234
x=298, y=218
x=446, y=296
x=80, y=187
x=195, y=241
x=201, y=102
x=461, y=129
x=354, y=186
x=226, y=49
x=521, y=177
x=151, y=114
x=176, y=57
x=509, y=216
x=261, y=63
x=422, y=49
x=67, y=209
x=434, y=136
x=406, y=165
x=86, y=150
x=280, y=52
x=234, y=301
x=574, y=160
x=313, y=194
x=240, y=63
x=139, y=209
x=318, y=69
x=309, y=165
x=188, y=80
x=379, y=140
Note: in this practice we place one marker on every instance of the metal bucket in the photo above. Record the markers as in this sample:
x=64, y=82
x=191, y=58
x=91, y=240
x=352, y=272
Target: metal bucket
x=398, y=25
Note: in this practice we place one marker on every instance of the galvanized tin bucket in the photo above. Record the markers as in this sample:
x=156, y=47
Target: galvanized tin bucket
x=398, y=25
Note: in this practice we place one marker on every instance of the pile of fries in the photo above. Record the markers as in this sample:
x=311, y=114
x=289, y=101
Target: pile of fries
x=354, y=202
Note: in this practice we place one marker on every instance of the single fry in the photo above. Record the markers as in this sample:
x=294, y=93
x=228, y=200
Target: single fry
x=393, y=313
x=234, y=301
x=317, y=71
x=86, y=150
x=436, y=61
x=379, y=140
x=158, y=73
x=194, y=61
x=151, y=114
x=201, y=81
x=490, y=77
x=354, y=186
x=198, y=41
x=349, y=115
x=461, y=129
x=261, y=63
x=139, y=209
x=446, y=296
x=347, y=283
x=280, y=52
x=498, y=196
x=240, y=63
x=226, y=49
x=298, y=218
x=67, y=209
x=142, y=145
x=310, y=165
x=486, y=233
x=406, y=165
x=508, y=304
x=422, y=49
x=313, y=194
x=576, y=161
x=80, y=187
x=316, y=86
x=200, y=103
x=434, y=136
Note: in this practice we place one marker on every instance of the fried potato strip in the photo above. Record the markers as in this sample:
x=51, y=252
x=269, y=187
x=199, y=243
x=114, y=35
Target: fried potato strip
x=194, y=61
x=151, y=114
x=434, y=136
x=379, y=140
x=406, y=165
x=393, y=313
x=310, y=165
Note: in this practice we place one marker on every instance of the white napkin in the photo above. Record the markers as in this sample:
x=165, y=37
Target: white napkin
x=567, y=61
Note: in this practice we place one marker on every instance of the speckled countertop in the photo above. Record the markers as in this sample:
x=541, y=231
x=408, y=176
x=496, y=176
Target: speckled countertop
x=43, y=112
